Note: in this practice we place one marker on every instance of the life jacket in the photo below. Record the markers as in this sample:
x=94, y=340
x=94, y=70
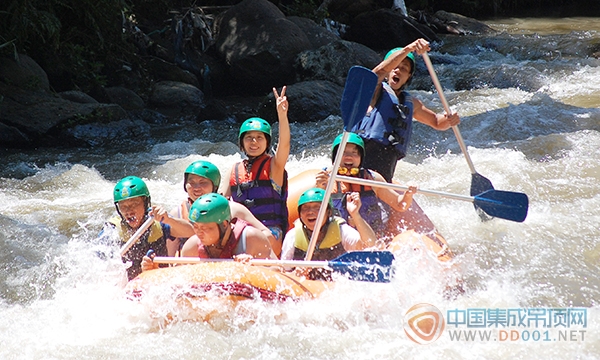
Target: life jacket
x=229, y=248
x=254, y=189
x=155, y=238
x=328, y=248
x=373, y=211
x=385, y=124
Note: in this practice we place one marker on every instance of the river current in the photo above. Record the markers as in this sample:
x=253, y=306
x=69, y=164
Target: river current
x=529, y=99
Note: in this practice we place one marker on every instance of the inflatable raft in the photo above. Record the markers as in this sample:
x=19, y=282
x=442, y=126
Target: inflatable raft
x=193, y=285
x=233, y=280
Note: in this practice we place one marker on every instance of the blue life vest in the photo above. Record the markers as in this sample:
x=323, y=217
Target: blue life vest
x=389, y=123
x=373, y=211
x=254, y=189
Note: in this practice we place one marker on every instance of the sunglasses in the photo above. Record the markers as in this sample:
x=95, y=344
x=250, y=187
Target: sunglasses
x=348, y=171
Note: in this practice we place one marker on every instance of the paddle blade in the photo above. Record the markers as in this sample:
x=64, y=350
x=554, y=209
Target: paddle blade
x=480, y=184
x=503, y=204
x=358, y=92
x=371, y=266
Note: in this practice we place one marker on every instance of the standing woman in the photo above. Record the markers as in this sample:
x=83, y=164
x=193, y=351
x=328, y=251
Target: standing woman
x=260, y=181
x=387, y=127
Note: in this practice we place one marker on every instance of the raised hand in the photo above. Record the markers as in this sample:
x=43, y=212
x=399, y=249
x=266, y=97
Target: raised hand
x=281, y=101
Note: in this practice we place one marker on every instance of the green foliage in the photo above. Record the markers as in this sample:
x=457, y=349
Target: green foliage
x=304, y=8
x=78, y=37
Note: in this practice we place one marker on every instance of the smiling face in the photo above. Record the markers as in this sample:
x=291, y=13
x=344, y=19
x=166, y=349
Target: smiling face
x=309, y=213
x=197, y=186
x=351, y=156
x=208, y=233
x=133, y=211
x=255, y=143
x=400, y=75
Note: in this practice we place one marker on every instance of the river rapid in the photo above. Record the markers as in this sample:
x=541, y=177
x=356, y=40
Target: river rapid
x=529, y=100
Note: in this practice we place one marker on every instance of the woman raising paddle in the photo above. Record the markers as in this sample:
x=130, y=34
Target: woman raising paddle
x=387, y=127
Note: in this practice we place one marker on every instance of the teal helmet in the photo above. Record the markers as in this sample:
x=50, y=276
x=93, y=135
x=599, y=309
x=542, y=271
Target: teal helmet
x=410, y=57
x=255, y=124
x=131, y=187
x=312, y=195
x=203, y=169
x=210, y=208
x=352, y=139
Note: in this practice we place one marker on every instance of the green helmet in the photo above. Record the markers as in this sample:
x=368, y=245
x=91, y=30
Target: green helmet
x=204, y=169
x=255, y=124
x=312, y=195
x=352, y=139
x=130, y=187
x=210, y=208
x=410, y=56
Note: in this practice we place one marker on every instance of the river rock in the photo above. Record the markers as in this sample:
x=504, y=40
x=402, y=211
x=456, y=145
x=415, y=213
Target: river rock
x=309, y=101
x=463, y=24
x=125, y=98
x=385, y=29
x=259, y=44
x=78, y=97
x=176, y=99
x=23, y=72
x=317, y=35
x=332, y=61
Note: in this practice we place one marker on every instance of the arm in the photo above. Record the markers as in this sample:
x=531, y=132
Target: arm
x=437, y=121
x=179, y=227
x=399, y=202
x=257, y=244
x=225, y=189
x=383, y=68
x=367, y=235
x=190, y=248
x=241, y=212
x=283, y=146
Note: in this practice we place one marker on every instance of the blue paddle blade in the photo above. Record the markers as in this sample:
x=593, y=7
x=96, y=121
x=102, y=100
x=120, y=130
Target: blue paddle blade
x=480, y=184
x=358, y=92
x=503, y=204
x=371, y=266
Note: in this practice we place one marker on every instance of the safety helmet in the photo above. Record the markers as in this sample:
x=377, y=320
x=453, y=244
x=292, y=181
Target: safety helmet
x=255, y=124
x=130, y=187
x=312, y=195
x=410, y=56
x=210, y=208
x=203, y=169
x=352, y=139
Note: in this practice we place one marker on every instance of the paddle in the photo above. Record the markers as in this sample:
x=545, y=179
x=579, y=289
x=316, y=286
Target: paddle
x=479, y=183
x=358, y=92
x=503, y=204
x=136, y=235
x=371, y=266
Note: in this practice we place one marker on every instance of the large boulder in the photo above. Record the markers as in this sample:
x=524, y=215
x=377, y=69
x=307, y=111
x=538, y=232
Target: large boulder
x=125, y=98
x=463, y=24
x=309, y=101
x=175, y=99
x=259, y=44
x=24, y=73
x=332, y=61
x=386, y=29
x=317, y=35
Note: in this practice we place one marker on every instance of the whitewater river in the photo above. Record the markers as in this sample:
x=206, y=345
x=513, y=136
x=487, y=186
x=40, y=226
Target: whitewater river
x=529, y=99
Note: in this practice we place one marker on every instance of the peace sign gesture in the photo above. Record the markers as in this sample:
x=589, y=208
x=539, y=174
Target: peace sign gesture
x=281, y=100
